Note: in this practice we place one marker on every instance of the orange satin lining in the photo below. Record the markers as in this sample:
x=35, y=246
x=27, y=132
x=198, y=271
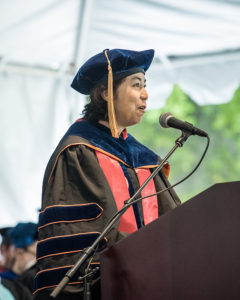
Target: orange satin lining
x=150, y=204
x=119, y=187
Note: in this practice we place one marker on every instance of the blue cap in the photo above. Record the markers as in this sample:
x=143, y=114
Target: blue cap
x=123, y=63
x=23, y=234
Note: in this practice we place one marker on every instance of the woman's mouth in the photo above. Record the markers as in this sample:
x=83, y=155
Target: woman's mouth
x=142, y=108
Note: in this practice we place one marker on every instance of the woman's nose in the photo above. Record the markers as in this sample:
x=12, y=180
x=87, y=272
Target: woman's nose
x=144, y=94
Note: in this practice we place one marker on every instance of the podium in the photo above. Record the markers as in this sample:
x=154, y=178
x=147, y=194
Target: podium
x=191, y=252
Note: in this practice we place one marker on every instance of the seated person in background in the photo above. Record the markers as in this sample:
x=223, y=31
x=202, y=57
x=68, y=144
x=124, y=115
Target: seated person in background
x=7, y=251
x=95, y=168
x=17, y=281
x=27, y=276
x=24, y=240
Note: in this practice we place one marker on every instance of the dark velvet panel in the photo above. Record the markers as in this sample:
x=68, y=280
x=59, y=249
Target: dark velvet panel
x=70, y=213
x=52, y=278
x=129, y=150
x=63, y=244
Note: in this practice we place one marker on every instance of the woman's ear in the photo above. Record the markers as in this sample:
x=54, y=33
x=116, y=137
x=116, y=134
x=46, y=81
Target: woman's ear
x=104, y=95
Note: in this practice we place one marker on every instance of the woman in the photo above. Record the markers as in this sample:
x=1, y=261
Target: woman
x=96, y=167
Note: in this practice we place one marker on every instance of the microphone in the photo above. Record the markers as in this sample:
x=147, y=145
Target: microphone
x=168, y=120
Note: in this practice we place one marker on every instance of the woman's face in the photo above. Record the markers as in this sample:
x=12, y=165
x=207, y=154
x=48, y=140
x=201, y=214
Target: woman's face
x=130, y=100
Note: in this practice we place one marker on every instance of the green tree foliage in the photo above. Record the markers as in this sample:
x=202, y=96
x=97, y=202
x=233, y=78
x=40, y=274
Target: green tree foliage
x=221, y=122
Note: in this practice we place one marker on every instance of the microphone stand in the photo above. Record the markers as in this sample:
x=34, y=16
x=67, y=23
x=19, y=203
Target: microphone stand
x=90, y=250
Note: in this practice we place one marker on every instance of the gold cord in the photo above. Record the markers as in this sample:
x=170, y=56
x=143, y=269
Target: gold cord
x=111, y=110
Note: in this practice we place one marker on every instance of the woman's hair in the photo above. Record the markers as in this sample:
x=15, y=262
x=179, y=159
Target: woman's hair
x=96, y=109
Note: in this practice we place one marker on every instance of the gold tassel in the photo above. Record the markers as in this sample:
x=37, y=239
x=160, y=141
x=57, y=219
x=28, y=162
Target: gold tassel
x=111, y=110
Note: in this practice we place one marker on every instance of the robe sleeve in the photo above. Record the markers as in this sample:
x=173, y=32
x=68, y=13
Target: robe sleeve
x=77, y=203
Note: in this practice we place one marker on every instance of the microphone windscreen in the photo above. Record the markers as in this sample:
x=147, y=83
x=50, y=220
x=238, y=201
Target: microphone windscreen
x=163, y=119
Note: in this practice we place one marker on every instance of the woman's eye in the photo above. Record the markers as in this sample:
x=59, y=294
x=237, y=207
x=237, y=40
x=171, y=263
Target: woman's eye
x=137, y=84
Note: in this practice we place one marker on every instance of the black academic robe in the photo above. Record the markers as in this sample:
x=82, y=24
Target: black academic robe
x=78, y=199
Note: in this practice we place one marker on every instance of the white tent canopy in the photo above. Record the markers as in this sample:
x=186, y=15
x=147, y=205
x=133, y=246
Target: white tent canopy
x=196, y=42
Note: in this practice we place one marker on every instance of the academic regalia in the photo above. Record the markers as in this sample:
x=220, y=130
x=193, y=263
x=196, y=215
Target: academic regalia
x=79, y=196
x=89, y=176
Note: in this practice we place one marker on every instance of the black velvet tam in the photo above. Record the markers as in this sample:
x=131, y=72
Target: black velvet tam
x=124, y=63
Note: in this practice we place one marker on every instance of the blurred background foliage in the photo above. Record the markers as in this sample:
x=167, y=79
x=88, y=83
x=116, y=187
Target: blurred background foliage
x=221, y=122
